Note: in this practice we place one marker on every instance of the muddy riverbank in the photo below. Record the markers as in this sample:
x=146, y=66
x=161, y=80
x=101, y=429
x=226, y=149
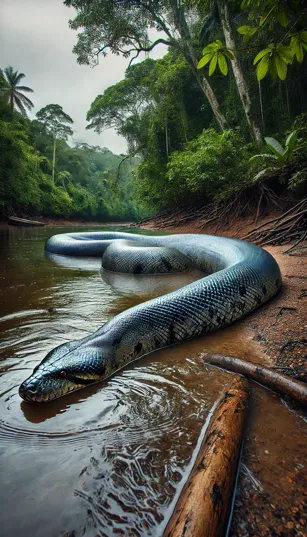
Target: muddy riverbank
x=279, y=331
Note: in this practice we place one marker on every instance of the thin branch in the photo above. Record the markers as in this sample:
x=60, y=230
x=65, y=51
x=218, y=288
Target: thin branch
x=130, y=155
x=147, y=49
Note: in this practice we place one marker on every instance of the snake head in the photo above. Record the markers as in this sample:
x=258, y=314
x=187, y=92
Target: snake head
x=63, y=370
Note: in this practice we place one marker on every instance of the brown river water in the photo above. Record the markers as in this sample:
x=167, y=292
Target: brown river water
x=110, y=459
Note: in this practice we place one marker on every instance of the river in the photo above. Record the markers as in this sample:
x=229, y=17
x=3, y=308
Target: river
x=108, y=460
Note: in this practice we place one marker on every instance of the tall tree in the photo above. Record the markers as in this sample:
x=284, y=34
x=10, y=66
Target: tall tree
x=13, y=94
x=122, y=28
x=57, y=124
x=216, y=13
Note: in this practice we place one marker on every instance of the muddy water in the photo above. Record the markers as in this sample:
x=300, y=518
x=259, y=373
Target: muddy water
x=108, y=460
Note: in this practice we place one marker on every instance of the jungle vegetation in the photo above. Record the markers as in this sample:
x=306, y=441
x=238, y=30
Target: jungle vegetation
x=199, y=122
x=235, y=73
x=42, y=174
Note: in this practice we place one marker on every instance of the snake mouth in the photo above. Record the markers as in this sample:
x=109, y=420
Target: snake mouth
x=29, y=392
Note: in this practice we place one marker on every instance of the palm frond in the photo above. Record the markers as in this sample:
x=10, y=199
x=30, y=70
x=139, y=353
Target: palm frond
x=25, y=100
x=20, y=106
x=9, y=74
x=19, y=76
x=24, y=88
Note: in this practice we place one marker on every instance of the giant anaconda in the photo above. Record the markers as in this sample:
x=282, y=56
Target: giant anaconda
x=241, y=277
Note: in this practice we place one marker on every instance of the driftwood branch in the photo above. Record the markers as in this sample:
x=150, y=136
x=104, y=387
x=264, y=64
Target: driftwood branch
x=270, y=379
x=204, y=505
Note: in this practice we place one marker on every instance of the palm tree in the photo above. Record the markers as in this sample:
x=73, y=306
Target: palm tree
x=13, y=93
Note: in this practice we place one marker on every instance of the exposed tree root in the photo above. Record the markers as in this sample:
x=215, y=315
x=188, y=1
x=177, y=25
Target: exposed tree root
x=275, y=381
x=205, y=502
x=291, y=225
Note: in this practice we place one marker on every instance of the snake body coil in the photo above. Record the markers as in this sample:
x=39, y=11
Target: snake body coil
x=241, y=277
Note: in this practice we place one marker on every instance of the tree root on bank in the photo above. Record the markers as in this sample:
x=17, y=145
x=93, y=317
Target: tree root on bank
x=290, y=226
x=277, y=382
x=204, y=505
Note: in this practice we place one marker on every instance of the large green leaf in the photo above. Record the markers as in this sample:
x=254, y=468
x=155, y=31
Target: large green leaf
x=285, y=53
x=204, y=60
x=265, y=156
x=247, y=32
x=212, y=65
x=222, y=64
x=274, y=146
x=298, y=44
x=263, y=67
x=281, y=66
x=263, y=52
x=291, y=142
x=282, y=16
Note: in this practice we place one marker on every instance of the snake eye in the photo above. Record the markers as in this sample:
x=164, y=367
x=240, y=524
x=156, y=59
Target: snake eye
x=63, y=374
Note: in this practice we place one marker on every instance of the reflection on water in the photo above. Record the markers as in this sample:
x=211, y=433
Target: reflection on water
x=107, y=460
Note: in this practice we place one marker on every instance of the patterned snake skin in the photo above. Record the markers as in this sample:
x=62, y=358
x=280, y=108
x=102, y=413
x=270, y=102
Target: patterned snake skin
x=241, y=277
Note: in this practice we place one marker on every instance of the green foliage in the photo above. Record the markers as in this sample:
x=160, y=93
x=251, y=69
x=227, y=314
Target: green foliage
x=12, y=93
x=83, y=185
x=271, y=14
x=298, y=44
x=273, y=59
x=216, y=54
x=56, y=121
x=280, y=154
x=211, y=166
x=287, y=162
x=20, y=170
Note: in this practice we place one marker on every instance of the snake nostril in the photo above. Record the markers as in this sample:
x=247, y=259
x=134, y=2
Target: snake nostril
x=31, y=388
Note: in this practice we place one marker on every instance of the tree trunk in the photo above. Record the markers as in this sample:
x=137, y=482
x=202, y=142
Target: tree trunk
x=53, y=159
x=238, y=73
x=12, y=101
x=275, y=381
x=190, y=56
x=166, y=137
x=205, y=502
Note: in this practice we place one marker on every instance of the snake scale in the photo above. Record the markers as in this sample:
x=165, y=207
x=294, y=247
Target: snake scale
x=241, y=277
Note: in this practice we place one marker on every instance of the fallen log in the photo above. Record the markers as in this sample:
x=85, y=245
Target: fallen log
x=277, y=382
x=204, y=505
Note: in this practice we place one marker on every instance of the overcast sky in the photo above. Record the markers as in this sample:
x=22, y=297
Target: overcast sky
x=36, y=40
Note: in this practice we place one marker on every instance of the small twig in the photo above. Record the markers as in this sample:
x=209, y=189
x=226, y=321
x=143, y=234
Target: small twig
x=282, y=308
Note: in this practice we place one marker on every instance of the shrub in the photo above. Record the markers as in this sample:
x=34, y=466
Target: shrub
x=213, y=165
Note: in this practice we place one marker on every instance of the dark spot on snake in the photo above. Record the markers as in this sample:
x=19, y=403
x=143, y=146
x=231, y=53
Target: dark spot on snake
x=242, y=290
x=277, y=282
x=258, y=299
x=138, y=347
x=172, y=335
x=215, y=494
x=166, y=263
x=211, y=312
x=264, y=289
x=138, y=269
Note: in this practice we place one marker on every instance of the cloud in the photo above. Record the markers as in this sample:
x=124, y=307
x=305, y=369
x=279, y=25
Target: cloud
x=36, y=40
